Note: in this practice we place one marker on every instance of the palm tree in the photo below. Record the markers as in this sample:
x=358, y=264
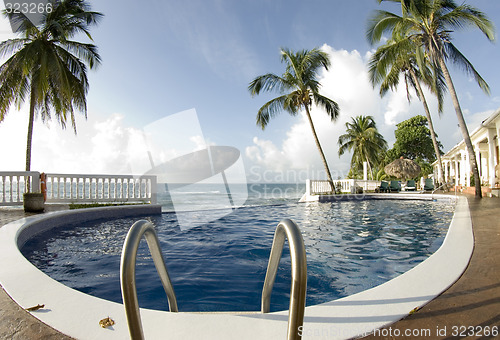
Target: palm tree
x=399, y=56
x=429, y=24
x=47, y=67
x=299, y=88
x=365, y=142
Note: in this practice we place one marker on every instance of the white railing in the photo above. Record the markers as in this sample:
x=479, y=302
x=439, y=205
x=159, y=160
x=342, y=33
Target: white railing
x=72, y=188
x=344, y=185
x=319, y=187
x=13, y=184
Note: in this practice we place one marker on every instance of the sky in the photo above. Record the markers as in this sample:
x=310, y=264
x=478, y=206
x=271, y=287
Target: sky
x=175, y=56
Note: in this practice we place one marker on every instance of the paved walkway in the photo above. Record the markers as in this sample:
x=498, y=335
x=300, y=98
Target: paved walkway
x=15, y=322
x=472, y=304
x=473, y=301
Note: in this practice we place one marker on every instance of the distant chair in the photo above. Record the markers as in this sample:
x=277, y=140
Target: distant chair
x=429, y=184
x=384, y=187
x=395, y=186
x=410, y=185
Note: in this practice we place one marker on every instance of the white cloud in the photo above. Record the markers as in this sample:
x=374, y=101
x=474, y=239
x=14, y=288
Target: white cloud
x=267, y=155
x=110, y=145
x=199, y=141
x=474, y=120
x=101, y=146
x=347, y=82
x=13, y=132
x=397, y=106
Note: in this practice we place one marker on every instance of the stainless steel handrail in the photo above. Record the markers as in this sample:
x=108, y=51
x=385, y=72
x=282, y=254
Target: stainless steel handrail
x=127, y=274
x=442, y=185
x=299, y=275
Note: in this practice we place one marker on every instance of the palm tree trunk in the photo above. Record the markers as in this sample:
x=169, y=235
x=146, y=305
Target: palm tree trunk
x=463, y=126
x=325, y=164
x=431, y=126
x=29, y=138
x=30, y=130
x=369, y=167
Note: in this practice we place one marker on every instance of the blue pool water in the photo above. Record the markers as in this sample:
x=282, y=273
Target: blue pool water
x=220, y=266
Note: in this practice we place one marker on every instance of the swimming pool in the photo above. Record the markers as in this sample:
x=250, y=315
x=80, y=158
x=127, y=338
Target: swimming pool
x=351, y=246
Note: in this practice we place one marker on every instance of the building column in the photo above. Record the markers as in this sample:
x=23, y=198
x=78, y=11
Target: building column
x=446, y=174
x=478, y=160
x=457, y=172
x=464, y=169
x=492, y=156
x=438, y=175
x=467, y=169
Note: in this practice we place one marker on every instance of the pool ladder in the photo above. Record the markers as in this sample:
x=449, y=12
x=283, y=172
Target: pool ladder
x=297, y=291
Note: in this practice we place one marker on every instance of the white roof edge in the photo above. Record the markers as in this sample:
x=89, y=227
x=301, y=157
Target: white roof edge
x=484, y=125
x=491, y=118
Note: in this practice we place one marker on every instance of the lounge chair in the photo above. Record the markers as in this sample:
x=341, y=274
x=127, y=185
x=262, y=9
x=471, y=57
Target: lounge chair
x=429, y=184
x=395, y=186
x=410, y=185
x=384, y=187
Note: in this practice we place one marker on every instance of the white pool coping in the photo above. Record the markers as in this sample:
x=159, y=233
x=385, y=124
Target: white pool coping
x=77, y=314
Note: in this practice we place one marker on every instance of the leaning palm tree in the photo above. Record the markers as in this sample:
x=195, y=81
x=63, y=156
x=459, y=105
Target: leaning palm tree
x=401, y=56
x=429, y=24
x=365, y=142
x=47, y=68
x=299, y=89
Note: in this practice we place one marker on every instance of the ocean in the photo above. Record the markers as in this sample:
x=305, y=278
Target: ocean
x=213, y=196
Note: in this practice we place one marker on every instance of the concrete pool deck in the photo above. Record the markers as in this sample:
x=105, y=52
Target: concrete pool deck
x=476, y=303
x=474, y=300
x=15, y=322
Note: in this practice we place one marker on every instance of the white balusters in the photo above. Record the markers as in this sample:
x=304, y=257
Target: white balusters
x=100, y=188
x=13, y=184
x=318, y=187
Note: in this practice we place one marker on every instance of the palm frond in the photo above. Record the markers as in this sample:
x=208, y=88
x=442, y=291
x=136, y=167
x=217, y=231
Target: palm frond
x=21, y=23
x=313, y=60
x=267, y=83
x=12, y=46
x=270, y=110
x=71, y=18
x=86, y=52
x=381, y=22
x=345, y=144
x=464, y=16
x=330, y=106
x=363, y=140
x=46, y=67
x=459, y=59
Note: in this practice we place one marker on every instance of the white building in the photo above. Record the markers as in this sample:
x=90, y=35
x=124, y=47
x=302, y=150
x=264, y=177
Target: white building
x=456, y=165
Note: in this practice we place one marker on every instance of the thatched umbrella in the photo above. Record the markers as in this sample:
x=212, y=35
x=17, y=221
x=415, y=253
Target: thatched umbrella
x=402, y=168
